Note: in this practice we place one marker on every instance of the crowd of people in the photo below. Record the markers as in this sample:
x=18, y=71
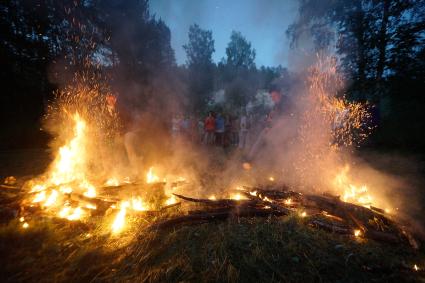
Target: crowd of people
x=215, y=129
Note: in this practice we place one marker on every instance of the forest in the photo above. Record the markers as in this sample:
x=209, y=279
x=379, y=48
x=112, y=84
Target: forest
x=379, y=45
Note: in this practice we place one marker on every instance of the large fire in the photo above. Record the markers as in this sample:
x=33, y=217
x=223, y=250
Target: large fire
x=69, y=191
x=67, y=178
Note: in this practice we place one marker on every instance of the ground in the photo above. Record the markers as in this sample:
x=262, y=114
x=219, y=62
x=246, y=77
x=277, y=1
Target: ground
x=238, y=250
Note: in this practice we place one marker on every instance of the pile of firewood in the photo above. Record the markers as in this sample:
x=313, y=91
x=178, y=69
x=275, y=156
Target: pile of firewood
x=324, y=212
x=320, y=211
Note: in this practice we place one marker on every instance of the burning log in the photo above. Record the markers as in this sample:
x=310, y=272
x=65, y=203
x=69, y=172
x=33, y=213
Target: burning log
x=101, y=205
x=219, y=202
x=268, y=203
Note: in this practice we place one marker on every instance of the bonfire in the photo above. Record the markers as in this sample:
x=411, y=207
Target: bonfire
x=69, y=190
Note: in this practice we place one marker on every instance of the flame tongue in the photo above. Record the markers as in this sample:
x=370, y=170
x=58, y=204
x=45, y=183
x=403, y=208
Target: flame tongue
x=68, y=165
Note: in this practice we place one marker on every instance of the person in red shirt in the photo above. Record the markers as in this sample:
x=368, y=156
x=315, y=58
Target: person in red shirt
x=209, y=127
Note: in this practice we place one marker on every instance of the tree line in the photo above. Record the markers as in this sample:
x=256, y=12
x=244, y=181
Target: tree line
x=379, y=44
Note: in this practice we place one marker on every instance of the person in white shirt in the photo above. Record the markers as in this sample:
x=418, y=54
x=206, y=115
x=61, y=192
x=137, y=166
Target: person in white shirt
x=243, y=131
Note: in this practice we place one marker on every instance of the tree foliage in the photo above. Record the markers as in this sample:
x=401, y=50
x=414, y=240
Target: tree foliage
x=199, y=51
x=239, y=52
x=381, y=46
x=200, y=47
x=45, y=42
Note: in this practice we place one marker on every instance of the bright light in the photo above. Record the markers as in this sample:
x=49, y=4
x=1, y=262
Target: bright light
x=171, y=200
x=138, y=204
x=52, y=198
x=112, y=182
x=151, y=177
x=119, y=221
x=238, y=196
x=357, y=233
x=41, y=196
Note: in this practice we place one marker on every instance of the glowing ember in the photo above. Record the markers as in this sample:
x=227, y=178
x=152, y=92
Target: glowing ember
x=52, y=198
x=22, y=219
x=267, y=199
x=138, y=205
x=171, y=200
x=90, y=206
x=415, y=267
x=238, y=196
x=38, y=188
x=357, y=233
x=303, y=214
x=212, y=197
x=151, y=177
x=90, y=190
x=65, y=189
x=71, y=214
x=25, y=225
x=113, y=182
x=41, y=196
x=76, y=214
x=254, y=193
x=64, y=212
x=288, y=201
x=119, y=221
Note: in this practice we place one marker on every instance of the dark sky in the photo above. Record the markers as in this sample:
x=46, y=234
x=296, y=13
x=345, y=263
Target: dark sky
x=263, y=22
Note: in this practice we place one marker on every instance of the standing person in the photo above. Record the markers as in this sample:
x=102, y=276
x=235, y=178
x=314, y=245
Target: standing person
x=175, y=126
x=185, y=126
x=243, y=131
x=209, y=126
x=129, y=132
x=201, y=133
x=234, y=131
x=228, y=130
x=219, y=129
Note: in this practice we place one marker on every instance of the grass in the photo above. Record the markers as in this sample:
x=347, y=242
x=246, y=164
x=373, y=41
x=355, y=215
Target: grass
x=237, y=250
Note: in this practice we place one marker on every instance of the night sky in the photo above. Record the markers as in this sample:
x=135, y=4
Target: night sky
x=262, y=22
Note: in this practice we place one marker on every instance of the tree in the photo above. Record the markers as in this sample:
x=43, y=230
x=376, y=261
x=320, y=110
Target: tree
x=199, y=52
x=238, y=74
x=366, y=33
x=239, y=52
x=380, y=44
x=200, y=47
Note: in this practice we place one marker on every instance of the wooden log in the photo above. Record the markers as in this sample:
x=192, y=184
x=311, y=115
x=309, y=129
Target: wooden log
x=219, y=202
x=273, y=194
x=331, y=227
x=273, y=205
x=212, y=216
x=382, y=236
